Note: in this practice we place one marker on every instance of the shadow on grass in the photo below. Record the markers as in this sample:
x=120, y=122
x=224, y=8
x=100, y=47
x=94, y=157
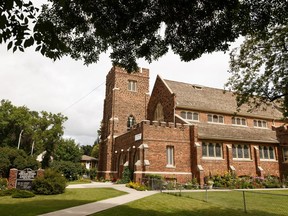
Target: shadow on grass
x=36, y=207
x=211, y=211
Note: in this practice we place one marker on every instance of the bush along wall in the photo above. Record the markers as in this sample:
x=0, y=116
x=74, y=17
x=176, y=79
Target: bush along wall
x=51, y=183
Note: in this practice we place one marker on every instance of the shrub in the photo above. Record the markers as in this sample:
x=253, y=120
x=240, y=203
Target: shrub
x=51, y=183
x=8, y=192
x=125, y=176
x=23, y=194
x=136, y=186
x=71, y=171
x=3, y=183
x=93, y=173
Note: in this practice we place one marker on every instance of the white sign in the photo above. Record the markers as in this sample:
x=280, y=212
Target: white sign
x=138, y=137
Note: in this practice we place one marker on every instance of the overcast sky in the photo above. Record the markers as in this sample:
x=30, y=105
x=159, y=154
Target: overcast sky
x=77, y=91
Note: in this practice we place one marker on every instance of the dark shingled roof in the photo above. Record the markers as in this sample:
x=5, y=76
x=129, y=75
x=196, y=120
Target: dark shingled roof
x=235, y=133
x=208, y=99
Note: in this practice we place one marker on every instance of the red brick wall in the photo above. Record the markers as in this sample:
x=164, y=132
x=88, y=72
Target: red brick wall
x=161, y=94
x=157, y=138
x=282, y=135
x=120, y=103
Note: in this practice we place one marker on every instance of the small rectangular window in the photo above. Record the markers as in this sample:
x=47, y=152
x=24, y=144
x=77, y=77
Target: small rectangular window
x=238, y=121
x=215, y=118
x=190, y=116
x=132, y=85
x=285, y=154
x=260, y=123
x=170, y=155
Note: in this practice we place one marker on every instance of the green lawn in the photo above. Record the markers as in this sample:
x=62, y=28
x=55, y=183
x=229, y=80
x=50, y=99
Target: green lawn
x=42, y=204
x=219, y=204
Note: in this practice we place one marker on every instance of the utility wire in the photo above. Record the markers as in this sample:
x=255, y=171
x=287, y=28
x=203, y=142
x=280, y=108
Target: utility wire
x=80, y=99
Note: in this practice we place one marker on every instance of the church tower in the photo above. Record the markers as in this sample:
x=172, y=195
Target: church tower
x=125, y=104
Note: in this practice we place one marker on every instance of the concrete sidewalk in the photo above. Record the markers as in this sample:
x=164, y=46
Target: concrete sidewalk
x=94, y=207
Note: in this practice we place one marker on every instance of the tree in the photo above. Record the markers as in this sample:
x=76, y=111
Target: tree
x=20, y=127
x=138, y=29
x=87, y=149
x=95, y=151
x=15, y=158
x=260, y=70
x=68, y=150
x=15, y=18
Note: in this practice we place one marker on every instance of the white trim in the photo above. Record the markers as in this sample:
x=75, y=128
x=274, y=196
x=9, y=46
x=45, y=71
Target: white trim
x=200, y=168
x=170, y=166
x=155, y=172
x=138, y=163
x=107, y=171
x=146, y=163
x=165, y=84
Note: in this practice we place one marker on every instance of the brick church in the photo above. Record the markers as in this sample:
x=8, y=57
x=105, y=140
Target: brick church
x=184, y=130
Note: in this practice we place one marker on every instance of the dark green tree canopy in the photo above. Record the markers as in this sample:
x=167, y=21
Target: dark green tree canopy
x=135, y=29
x=30, y=130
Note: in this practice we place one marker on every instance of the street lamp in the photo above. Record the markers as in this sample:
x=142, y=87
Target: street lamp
x=20, y=135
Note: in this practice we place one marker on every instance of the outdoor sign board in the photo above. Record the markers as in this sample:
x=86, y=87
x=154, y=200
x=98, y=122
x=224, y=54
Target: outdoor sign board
x=25, y=178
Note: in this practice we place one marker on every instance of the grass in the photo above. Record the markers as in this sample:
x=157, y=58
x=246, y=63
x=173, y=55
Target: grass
x=79, y=181
x=219, y=204
x=41, y=204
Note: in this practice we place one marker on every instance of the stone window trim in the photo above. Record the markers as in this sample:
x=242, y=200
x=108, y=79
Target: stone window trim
x=267, y=153
x=131, y=121
x=214, y=118
x=189, y=115
x=241, y=152
x=170, y=151
x=159, y=113
x=258, y=123
x=132, y=85
x=285, y=154
x=211, y=150
x=239, y=121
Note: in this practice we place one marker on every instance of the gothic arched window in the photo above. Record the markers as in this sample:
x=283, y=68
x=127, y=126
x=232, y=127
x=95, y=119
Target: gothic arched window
x=158, y=113
x=130, y=122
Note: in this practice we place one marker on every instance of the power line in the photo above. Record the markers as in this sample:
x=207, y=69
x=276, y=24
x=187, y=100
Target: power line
x=80, y=99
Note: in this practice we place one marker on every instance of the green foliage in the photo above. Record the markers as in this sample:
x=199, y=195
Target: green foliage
x=51, y=183
x=259, y=70
x=3, y=183
x=93, y=173
x=21, y=127
x=14, y=158
x=132, y=30
x=16, y=16
x=68, y=150
x=40, y=205
x=193, y=184
x=70, y=170
x=95, y=151
x=23, y=194
x=8, y=192
x=125, y=176
x=86, y=149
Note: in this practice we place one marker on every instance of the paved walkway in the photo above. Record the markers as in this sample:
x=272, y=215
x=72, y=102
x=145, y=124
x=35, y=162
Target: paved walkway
x=94, y=207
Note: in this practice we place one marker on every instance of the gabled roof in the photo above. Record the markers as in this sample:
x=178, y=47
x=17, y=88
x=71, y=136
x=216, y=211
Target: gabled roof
x=235, y=133
x=88, y=158
x=195, y=97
